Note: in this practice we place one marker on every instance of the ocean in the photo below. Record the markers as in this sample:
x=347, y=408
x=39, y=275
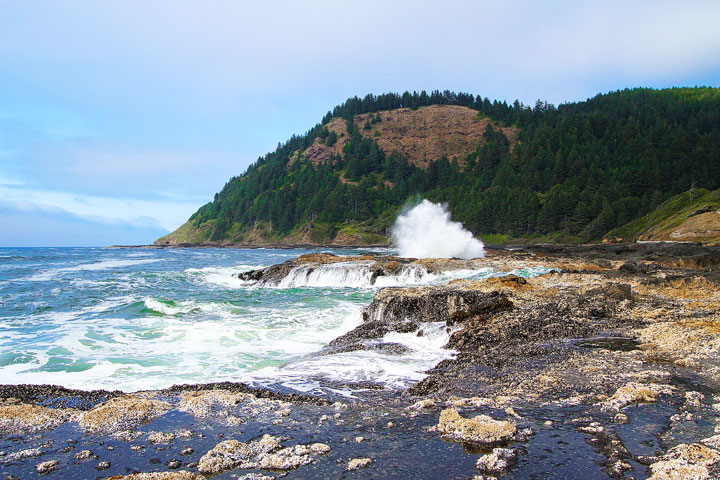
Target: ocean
x=138, y=319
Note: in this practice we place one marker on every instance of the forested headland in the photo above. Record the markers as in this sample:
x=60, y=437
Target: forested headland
x=570, y=173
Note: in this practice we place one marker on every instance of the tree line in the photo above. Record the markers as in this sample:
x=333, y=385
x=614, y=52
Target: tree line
x=577, y=170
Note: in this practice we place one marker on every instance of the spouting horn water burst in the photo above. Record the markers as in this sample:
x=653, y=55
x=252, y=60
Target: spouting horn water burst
x=426, y=231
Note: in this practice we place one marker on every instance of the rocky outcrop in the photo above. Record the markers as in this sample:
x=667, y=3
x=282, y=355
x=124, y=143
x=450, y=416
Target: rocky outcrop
x=634, y=393
x=122, y=413
x=358, y=463
x=266, y=453
x=22, y=418
x=178, y=475
x=546, y=312
x=306, y=267
x=685, y=462
x=306, y=264
x=450, y=304
x=403, y=310
x=497, y=461
x=482, y=429
x=46, y=467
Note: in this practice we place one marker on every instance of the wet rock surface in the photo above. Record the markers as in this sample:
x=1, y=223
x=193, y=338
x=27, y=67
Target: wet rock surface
x=606, y=368
x=686, y=462
x=482, y=429
x=121, y=413
x=374, y=266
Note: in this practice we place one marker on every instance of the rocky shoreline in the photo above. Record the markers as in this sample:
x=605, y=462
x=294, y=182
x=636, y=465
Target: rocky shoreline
x=606, y=367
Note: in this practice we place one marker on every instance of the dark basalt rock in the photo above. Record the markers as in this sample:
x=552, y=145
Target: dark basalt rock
x=397, y=306
x=498, y=344
x=402, y=309
x=259, y=392
x=54, y=396
x=638, y=268
x=388, y=348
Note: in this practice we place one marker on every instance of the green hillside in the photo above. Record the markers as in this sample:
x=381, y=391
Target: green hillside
x=690, y=216
x=567, y=173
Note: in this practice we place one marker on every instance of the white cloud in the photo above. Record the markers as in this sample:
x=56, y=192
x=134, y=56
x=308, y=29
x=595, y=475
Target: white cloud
x=229, y=56
x=31, y=224
x=167, y=214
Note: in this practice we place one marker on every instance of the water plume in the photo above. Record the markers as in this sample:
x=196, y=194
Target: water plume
x=426, y=231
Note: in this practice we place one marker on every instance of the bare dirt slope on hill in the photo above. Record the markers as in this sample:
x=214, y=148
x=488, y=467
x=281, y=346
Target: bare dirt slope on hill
x=422, y=135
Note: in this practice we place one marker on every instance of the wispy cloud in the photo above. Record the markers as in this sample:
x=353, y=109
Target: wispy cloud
x=167, y=213
x=30, y=224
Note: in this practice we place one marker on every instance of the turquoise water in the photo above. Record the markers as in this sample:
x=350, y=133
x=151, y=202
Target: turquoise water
x=136, y=319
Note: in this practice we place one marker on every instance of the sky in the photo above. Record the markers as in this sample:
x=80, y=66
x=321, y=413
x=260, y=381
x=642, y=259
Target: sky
x=118, y=119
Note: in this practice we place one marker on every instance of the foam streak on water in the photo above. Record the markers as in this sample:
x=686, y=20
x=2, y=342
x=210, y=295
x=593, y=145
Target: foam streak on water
x=140, y=319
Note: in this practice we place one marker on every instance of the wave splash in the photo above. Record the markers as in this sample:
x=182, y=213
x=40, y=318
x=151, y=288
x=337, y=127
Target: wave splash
x=357, y=275
x=426, y=231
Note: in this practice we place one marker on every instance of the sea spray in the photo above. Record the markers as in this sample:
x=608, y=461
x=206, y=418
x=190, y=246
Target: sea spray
x=426, y=231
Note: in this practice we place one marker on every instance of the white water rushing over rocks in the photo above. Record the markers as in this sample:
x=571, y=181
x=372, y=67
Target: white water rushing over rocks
x=360, y=275
x=426, y=231
x=137, y=319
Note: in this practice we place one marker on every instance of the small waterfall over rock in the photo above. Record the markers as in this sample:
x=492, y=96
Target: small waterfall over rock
x=352, y=275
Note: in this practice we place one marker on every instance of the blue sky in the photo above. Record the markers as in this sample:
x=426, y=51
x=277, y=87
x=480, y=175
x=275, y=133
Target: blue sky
x=126, y=116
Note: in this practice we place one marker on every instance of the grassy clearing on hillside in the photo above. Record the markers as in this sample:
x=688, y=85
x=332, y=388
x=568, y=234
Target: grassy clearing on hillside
x=669, y=216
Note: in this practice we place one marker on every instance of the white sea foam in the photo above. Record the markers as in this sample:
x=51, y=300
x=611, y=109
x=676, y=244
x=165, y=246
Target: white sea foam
x=193, y=342
x=223, y=276
x=350, y=274
x=359, y=275
x=395, y=371
x=51, y=274
x=108, y=264
x=426, y=231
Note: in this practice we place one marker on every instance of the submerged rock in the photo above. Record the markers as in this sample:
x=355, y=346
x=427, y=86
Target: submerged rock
x=27, y=453
x=287, y=458
x=481, y=429
x=685, y=462
x=160, y=437
x=122, y=413
x=127, y=435
x=255, y=476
